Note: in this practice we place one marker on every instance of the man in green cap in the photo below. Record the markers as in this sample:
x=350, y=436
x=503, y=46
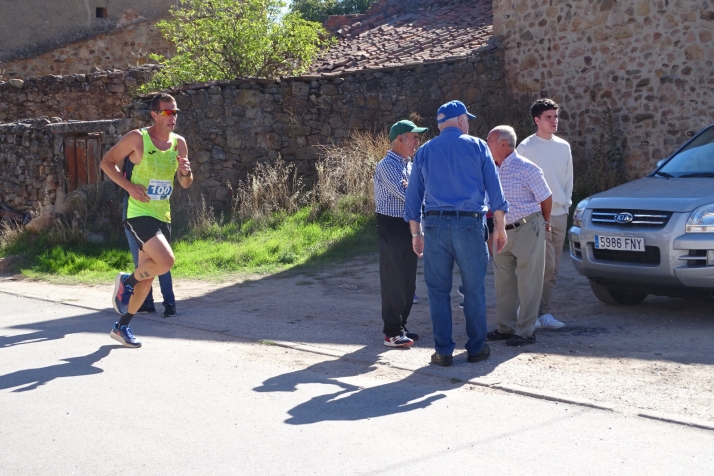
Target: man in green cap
x=397, y=261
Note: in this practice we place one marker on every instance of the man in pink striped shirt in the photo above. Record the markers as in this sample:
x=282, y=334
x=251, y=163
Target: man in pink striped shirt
x=518, y=268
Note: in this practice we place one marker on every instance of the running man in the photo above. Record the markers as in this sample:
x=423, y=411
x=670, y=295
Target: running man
x=157, y=154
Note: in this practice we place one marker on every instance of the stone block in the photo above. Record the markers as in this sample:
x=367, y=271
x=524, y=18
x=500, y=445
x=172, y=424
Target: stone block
x=248, y=98
x=299, y=89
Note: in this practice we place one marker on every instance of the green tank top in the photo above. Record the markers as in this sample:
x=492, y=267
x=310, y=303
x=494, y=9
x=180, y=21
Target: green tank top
x=155, y=172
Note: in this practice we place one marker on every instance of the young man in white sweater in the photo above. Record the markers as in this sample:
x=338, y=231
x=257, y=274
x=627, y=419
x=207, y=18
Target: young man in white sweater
x=552, y=155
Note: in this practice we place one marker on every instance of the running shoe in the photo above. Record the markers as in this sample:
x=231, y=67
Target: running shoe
x=122, y=293
x=398, y=341
x=460, y=290
x=547, y=321
x=124, y=335
x=411, y=335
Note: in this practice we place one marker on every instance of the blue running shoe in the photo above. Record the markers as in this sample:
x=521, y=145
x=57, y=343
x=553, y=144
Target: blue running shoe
x=122, y=293
x=124, y=335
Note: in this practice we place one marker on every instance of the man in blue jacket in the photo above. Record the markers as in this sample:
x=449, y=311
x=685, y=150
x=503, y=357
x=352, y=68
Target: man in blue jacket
x=451, y=174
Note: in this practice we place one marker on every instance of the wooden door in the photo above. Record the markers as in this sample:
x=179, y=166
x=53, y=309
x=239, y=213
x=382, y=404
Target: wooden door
x=82, y=155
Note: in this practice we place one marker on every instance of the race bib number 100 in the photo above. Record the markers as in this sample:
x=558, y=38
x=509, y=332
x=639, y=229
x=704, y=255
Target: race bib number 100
x=159, y=189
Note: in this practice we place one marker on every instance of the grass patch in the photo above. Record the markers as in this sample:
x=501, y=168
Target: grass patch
x=303, y=239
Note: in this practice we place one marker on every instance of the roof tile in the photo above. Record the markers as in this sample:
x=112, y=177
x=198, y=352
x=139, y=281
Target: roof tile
x=399, y=32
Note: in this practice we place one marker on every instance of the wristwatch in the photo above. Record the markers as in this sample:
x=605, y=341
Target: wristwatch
x=414, y=235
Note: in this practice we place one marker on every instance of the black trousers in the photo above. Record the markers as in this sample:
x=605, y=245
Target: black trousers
x=397, y=272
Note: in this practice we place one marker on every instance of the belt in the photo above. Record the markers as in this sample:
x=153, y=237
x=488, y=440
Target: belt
x=522, y=221
x=516, y=224
x=453, y=213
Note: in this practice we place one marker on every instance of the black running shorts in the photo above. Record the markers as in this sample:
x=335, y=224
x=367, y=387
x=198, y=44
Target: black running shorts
x=145, y=228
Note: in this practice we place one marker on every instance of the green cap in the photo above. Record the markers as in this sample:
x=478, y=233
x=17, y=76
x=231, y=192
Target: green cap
x=401, y=127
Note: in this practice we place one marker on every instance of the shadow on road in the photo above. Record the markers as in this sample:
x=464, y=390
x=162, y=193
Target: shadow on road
x=351, y=402
x=30, y=379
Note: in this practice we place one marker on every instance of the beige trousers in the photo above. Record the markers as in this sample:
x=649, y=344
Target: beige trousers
x=518, y=272
x=553, y=251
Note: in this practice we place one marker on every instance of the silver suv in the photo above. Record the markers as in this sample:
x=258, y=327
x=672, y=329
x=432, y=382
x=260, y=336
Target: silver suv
x=654, y=235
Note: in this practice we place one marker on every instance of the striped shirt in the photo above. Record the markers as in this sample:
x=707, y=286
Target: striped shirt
x=523, y=186
x=389, y=193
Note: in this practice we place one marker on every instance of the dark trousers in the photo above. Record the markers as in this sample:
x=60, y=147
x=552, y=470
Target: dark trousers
x=397, y=272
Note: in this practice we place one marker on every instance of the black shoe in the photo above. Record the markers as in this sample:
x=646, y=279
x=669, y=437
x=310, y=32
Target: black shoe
x=483, y=355
x=495, y=335
x=169, y=310
x=518, y=340
x=442, y=360
x=147, y=309
x=412, y=335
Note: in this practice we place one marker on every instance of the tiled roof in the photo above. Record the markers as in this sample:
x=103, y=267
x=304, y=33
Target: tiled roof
x=399, y=32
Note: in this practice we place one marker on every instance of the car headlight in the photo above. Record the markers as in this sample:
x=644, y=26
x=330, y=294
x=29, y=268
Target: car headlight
x=579, y=212
x=701, y=220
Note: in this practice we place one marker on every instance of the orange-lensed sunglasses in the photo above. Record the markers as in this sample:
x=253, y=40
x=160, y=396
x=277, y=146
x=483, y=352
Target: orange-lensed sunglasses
x=167, y=112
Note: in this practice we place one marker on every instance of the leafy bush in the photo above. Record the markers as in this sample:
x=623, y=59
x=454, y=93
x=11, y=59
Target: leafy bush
x=226, y=39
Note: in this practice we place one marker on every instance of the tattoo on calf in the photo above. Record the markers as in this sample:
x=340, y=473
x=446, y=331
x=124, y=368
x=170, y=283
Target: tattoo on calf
x=145, y=275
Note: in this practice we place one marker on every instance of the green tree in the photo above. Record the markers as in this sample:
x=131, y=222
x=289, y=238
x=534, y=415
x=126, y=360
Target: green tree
x=319, y=10
x=226, y=39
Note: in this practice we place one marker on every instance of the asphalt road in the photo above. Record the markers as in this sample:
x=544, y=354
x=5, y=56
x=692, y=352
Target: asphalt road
x=194, y=401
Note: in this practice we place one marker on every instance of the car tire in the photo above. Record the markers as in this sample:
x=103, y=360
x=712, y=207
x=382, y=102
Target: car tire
x=616, y=298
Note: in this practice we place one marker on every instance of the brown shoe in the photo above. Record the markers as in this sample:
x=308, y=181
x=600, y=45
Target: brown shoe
x=442, y=360
x=483, y=355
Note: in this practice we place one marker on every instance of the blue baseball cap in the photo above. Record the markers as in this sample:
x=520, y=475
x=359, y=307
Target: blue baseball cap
x=450, y=110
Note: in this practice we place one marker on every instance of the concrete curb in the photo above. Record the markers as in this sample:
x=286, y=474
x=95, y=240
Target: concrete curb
x=704, y=425
x=429, y=371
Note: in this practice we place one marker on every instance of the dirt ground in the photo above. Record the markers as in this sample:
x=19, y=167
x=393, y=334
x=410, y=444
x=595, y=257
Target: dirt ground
x=655, y=357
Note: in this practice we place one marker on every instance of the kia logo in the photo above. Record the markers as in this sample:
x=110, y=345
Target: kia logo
x=624, y=217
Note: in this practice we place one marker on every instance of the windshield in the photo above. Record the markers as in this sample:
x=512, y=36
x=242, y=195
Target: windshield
x=695, y=160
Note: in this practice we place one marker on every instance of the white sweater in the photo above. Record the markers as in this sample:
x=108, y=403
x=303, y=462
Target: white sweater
x=554, y=159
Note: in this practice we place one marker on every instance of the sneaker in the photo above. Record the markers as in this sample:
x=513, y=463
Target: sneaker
x=398, y=341
x=547, y=321
x=124, y=335
x=122, y=293
x=147, y=309
x=169, y=310
x=416, y=299
x=411, y=335
x=460, y=290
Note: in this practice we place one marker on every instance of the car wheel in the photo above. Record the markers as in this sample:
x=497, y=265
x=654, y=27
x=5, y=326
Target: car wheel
x=611, y=296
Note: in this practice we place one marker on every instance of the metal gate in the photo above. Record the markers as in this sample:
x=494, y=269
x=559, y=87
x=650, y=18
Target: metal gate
x=82, y=155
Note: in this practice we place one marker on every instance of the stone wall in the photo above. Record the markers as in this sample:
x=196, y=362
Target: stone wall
x=86, y=97
x=32, y=159
x=651, y=61
x=122, y=49
x=232, y=125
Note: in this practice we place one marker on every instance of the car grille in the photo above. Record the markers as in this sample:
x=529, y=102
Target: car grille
x=640, y=218
x=649, y=257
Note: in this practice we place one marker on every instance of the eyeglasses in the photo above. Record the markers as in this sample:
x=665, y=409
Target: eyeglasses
x=167, y=112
